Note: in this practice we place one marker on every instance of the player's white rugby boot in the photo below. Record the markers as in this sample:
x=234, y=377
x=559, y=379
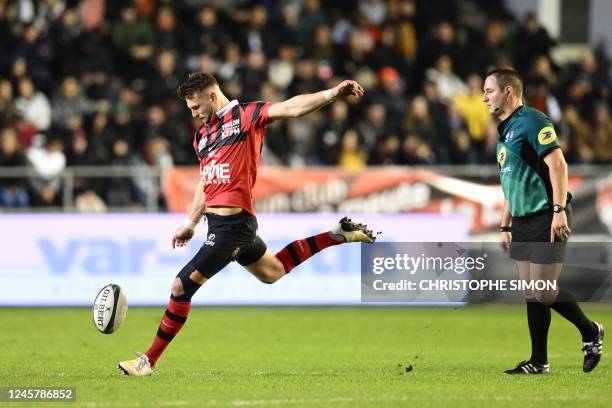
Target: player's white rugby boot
x=353, y=232
x=139, y=366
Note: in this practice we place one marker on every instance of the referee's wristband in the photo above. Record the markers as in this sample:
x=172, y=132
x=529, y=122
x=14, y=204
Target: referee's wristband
x=505, y=229
x=189, y=224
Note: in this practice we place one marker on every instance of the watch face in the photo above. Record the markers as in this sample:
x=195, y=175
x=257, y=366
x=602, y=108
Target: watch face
x=557, y=208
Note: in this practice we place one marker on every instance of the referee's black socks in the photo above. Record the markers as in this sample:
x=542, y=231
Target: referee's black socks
x=567, y=307
x=538, y=318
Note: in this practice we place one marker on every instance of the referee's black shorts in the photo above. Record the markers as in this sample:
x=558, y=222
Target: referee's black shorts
x=531, y=238
x=232, y=237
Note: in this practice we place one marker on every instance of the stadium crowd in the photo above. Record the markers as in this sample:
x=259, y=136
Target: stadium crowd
x=93, y=82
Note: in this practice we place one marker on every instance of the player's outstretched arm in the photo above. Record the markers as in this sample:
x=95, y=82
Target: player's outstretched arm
x=184, y=233
x=301, y=105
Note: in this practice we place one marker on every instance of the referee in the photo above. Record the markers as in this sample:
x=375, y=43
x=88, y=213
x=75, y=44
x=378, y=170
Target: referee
x=536, y=213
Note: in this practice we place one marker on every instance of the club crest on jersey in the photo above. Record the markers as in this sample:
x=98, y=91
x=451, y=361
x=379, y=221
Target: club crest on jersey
x=502, y=155
x=230, y=129
x=547, y=135
x=202, y=143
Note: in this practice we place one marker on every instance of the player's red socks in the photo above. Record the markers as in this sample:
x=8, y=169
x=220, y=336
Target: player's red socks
x=298, y=251
x=174, y=318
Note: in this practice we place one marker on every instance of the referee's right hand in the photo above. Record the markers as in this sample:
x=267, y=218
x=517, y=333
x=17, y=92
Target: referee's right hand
x=504, y=240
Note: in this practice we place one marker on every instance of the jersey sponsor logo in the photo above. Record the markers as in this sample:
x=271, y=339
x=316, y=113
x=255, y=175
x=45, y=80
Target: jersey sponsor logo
x=210, y=241
x=230, y=129
x=216, y=173
x=509, y=136
x=502, y=155
x=547, y=135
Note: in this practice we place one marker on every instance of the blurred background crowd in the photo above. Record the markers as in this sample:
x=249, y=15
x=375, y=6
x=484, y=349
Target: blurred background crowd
x=93, y=82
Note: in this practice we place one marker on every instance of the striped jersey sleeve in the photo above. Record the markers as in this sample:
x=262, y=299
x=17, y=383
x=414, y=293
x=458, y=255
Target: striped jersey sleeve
x=257, y=114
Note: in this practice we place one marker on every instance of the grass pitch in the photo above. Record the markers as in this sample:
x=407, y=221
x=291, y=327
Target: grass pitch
x=304, y=357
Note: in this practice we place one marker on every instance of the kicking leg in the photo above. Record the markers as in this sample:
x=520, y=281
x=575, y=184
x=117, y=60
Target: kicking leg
x=269, y=268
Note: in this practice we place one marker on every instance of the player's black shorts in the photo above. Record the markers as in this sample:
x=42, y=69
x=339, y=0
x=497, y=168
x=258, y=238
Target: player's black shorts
x=232, y=237
x=531, y=238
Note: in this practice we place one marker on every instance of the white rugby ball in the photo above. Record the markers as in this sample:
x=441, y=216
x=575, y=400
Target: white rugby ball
x=110, y=308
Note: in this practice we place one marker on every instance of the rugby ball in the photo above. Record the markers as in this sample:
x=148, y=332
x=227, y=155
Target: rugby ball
x=110, y=308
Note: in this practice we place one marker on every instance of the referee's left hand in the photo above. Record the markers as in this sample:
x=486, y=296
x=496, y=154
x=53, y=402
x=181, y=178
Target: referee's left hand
x=559, y=227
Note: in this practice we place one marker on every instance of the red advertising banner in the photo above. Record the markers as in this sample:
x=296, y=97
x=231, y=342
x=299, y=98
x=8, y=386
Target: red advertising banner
x=392, y=190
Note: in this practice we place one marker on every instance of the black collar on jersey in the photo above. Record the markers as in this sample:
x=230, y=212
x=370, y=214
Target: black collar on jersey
x=502, y=125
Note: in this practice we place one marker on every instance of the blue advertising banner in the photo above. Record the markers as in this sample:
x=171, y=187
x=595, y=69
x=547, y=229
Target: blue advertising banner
x=64, y=259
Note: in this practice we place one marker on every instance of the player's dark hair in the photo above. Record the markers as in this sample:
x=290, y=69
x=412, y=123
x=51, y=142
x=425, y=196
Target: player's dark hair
x=508, y=77
x=195, y=82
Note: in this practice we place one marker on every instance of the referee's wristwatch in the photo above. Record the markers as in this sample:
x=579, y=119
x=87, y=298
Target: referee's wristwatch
x=558, y=208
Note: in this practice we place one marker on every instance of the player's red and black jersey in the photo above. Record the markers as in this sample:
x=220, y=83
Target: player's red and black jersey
x=229, y=149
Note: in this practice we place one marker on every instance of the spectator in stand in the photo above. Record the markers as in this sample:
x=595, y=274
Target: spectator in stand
x=386, y=151
x=421, y=135
x=232, y=62
x=473, y=110
x=602, y=135
x=46, y=155
x=254, y=74
x=281, y=70
x=388, y=52
x=542, y=68
x=538, y=96
x=352, y=155
x=167, y=34
x=374, y=125
x=461, y=150
x=325, y=149
x=8, y=110
x=134, y=39
x=33, y=105
x=322, y=48
x=258, y=35
x=401, y=17
x=13, y=191
x=68, y=103
x=447, y=82
x=574, y=134
x=390, y=93
x=443, y=41
x=309, y=19
x=534, y=40
x=209, y=35
x=163, y=81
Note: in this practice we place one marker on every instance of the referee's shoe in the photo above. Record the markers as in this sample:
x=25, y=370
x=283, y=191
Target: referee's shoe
x=592, y=350
x=527, y=367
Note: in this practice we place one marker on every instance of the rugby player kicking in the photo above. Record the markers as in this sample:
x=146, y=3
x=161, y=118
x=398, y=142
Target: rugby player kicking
x=228, y=146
